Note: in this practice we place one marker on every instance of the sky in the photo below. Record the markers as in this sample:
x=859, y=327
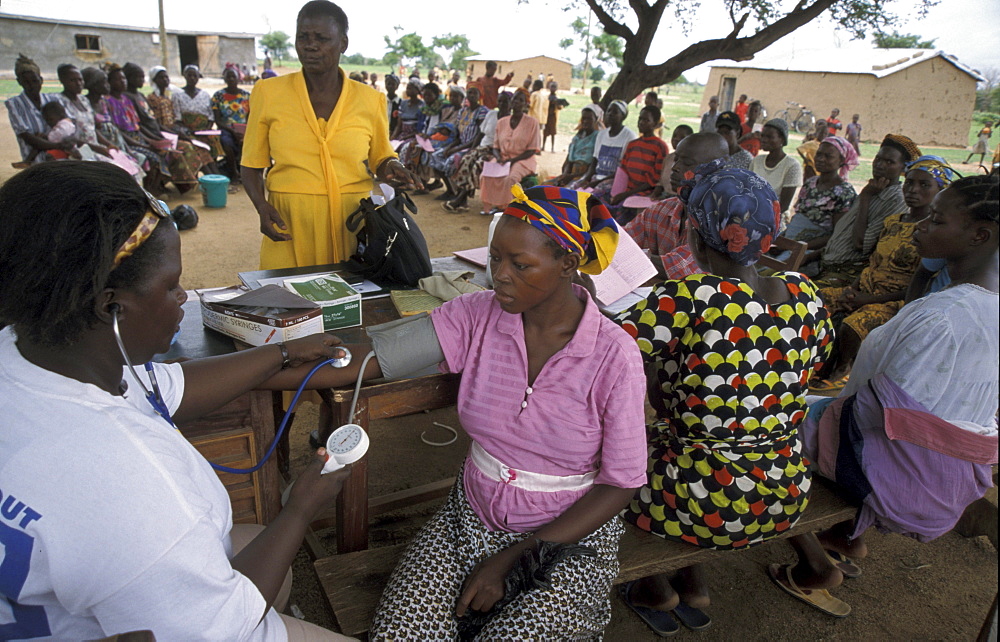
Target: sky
x=968, y=29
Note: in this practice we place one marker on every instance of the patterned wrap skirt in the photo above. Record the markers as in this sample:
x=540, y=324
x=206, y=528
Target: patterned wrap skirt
x=419, y=601
x=720, y=495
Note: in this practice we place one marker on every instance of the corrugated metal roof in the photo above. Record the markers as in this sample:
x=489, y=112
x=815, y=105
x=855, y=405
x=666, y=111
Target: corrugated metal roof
x=877, y=62
x=101, y=25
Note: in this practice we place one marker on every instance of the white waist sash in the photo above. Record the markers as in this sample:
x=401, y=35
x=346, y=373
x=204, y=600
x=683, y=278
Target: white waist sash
x=498, y=471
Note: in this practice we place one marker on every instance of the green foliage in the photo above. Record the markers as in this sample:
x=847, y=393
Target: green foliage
x=406, y=49
x=359, y=59
x=980, y=118
x=610, y=49
x=597, y=73
x=995, y=100
x=457, y=47
x=896, y=40
x=277, y=42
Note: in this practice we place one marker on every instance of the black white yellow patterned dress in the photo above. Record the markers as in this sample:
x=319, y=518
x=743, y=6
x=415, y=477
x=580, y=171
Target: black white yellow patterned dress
x=731, y=372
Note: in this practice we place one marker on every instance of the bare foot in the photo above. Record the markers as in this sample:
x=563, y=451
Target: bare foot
x=837, y=538
x=691, y=585
x=654, y=592
x=809, y=578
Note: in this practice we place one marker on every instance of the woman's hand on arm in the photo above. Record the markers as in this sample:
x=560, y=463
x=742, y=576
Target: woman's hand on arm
x=485, y=584
x=253, y=183
x=266, y=559
x=395, y=173
x=327, y=377
x=215, y=381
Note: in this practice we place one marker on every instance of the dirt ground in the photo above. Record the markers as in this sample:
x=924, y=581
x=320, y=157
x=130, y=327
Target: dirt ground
x=936, y=591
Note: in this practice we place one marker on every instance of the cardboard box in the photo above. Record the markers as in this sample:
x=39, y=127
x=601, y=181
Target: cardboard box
x=340, y=302
x=258, y=317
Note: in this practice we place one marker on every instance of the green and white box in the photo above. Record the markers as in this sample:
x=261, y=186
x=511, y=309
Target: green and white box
x=340, y=302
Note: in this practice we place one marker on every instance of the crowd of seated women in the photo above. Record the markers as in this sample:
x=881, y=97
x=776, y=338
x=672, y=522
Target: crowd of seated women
x=552, y=390
x=168, y=135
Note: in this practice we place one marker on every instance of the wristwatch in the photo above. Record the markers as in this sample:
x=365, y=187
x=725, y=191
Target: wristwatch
x=285, y=361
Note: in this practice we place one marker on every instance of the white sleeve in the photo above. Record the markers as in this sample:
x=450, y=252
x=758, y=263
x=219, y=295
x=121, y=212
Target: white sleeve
x=169, y=377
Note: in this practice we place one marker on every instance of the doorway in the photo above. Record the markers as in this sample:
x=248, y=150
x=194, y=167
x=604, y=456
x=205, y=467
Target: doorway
x=187, y=48
x=727, y=93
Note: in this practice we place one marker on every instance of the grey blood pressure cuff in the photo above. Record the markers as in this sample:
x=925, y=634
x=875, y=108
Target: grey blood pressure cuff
x=406, y=347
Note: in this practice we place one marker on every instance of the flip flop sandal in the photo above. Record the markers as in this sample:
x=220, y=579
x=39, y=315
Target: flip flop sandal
x=661, y=622
x=819, y=599
x=844, y=564
x=692, y=618
x=828, y=385
x=448, y=207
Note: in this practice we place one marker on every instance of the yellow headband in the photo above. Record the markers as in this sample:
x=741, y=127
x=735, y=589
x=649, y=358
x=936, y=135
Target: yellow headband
x=142, y=232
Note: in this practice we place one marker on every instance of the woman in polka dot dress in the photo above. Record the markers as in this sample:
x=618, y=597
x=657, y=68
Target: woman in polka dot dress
x=732, y=353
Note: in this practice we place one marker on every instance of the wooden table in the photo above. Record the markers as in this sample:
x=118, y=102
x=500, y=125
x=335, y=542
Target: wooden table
x=380, y=400
x=237, y=434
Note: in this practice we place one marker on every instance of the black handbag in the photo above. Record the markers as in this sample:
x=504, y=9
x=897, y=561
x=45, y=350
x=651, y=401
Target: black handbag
x=391, y=248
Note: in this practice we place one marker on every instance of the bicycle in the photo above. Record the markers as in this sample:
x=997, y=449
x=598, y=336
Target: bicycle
x=802, y=120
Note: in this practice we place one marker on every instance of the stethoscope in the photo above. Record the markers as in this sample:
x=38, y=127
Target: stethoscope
x=155, y=398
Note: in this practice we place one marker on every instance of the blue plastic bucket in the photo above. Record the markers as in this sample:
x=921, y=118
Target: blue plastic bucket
x=214, y=189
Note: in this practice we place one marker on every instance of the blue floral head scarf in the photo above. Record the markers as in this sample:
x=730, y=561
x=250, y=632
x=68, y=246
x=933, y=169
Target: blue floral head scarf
x=733, y=210
x=937, y=167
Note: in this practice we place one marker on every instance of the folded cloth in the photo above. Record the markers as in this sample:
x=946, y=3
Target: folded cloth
x=449, y=285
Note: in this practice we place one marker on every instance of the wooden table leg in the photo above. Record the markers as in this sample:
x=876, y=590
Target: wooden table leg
x=352, y=505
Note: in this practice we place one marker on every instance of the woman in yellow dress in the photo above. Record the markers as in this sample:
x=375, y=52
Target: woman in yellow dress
x=322, y=132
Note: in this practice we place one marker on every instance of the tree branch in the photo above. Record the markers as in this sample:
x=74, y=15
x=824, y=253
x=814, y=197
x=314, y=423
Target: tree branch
x=742, y=48
x=640, y=7
x=611, y=25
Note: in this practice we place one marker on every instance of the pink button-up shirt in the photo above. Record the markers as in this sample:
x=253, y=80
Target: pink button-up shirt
x=583, y=413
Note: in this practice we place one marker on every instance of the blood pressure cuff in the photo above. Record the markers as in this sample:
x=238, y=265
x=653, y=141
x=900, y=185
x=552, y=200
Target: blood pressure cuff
x=406, y=347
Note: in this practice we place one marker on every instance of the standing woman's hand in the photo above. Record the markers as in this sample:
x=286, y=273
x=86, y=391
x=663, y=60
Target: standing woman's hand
x=271, y=219
x=395, y=173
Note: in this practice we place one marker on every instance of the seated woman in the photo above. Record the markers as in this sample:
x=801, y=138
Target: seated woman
x=551, y=396
x=79, y=110
x=642, y=163
x=782, y=172
x=465, y=180
x=445, y=162
x=826, y=197
x=194, y=109
x=409, y=119
x=879, y=292
x=912, y=437
x=231, y=107
x=120, y=112
x=581, y=149
x=191, y=159
x=731, y=353
x=92, y=266
x=518, y=138
x=608, y=149
x=25, y=111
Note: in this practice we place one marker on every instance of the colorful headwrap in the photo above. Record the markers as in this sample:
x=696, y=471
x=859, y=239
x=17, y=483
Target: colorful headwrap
x=620, y=104
x=897, y=141
x=936, y=167
x=577, y=221
x=508, y=94
x=456, y=88
x=23, y=64
x=522, y=90
x=143, y=230
x=734, y=211
x=847, y=152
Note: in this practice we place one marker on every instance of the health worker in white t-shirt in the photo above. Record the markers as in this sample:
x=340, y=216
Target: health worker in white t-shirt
x=111, y=521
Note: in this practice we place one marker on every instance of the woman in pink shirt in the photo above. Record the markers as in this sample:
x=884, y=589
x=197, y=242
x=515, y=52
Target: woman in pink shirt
x=552, y=396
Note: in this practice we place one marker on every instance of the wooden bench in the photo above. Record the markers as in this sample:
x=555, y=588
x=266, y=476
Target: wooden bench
x=353, y=582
